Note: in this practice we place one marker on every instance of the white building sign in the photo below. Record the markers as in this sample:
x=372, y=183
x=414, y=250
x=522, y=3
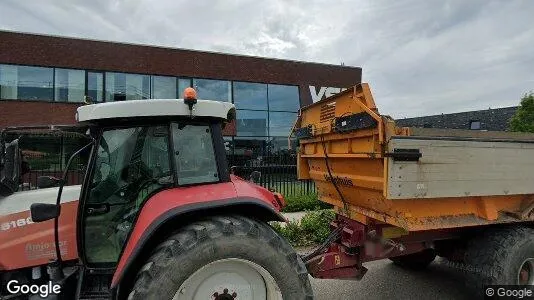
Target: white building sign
x=323, y=92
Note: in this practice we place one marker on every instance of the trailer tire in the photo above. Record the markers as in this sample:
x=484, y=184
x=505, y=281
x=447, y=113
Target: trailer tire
x=189, y=262
x=415, y=261
x=500, y=257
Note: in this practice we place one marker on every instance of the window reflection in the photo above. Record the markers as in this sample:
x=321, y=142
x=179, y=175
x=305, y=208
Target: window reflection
x=26, y=83
x=95, y=86
x=208, y=89
x=163, y=87
x=247, y=150
x=251, y=123
x=283, y=97
x=121, y=86
x=70, y=85
x=280, y=123
x=250, y=95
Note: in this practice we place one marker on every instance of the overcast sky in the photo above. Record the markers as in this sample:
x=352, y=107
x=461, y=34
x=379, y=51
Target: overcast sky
x=420, y=57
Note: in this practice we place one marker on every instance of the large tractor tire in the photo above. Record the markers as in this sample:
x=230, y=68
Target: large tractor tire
x=223, y=257
x=415, y=261
x=500, y=257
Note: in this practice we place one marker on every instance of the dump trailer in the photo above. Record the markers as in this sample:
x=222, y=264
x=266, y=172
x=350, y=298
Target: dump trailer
x=409, y=194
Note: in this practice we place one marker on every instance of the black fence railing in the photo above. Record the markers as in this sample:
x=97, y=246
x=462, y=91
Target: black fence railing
x=278, y=172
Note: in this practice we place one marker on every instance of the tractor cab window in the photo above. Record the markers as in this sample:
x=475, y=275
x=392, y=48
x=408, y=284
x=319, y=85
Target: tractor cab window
x=194, y=154
x=130, y=165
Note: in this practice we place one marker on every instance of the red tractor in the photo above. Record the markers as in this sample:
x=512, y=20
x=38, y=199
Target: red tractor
x=158, y=216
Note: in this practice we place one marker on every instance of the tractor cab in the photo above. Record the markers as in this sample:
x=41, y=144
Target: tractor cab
x=146, y=147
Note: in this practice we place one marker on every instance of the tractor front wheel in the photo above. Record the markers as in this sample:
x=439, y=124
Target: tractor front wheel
x=223, y=257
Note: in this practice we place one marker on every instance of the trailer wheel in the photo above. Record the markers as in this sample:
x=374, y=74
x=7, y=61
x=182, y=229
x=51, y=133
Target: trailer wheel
x=501, y=257
x=415, y=261
x=223, y=257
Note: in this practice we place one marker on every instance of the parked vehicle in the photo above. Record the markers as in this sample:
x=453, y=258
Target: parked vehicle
x=409, y=194
x=158, y=216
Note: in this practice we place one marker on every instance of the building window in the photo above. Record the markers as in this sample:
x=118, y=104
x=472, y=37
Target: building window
x=95, y=86
x=69, y=85
x=283, y=97
x=474, y=125
x=163, y=87
x=251, y=123
x=26, y=83
x=280, y=123
x=121, y=86
x=250, y=95
x=208, y=89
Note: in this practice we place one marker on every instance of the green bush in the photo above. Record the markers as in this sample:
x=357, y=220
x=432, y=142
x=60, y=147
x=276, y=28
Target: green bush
x=313, y=228
x=304, y=202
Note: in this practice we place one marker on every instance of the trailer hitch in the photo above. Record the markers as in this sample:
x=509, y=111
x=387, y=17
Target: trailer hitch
x=336, y=263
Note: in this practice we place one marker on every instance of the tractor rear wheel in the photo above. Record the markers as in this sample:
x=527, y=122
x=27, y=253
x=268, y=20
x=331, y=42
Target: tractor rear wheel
x=415, y=261
x=223, y=257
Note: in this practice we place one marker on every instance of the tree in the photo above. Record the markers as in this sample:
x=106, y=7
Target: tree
x=523, y=120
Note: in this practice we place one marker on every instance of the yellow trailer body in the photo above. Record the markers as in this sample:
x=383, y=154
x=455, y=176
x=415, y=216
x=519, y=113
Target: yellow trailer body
x=412, y=178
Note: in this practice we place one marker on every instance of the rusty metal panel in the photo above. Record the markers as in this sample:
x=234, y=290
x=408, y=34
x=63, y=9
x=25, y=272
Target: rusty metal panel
x=460, y=168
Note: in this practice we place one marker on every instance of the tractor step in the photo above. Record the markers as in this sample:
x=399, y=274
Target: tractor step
x=95, y=286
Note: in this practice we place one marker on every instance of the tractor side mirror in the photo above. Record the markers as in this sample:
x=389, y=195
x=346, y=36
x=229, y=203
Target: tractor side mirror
x=41, y=212
x=44, y=182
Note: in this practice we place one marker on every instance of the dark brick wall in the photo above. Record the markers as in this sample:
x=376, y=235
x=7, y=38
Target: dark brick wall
x=490, y=119
x=39, y=50
x=17, y=113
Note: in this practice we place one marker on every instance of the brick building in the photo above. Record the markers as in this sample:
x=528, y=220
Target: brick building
x=43, y=79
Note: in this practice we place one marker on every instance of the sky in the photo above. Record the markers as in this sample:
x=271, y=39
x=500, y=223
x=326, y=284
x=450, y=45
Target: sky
x=420, y=57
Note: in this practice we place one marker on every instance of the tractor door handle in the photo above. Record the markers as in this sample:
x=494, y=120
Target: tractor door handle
x=97, y=209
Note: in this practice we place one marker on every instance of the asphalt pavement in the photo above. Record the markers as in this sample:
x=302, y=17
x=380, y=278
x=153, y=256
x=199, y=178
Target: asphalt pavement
x=384, y=280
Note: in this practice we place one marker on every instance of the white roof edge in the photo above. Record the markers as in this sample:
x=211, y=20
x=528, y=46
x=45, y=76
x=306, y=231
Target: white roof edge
x=152, y=108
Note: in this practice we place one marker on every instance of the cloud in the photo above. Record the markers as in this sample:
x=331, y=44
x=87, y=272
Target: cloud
x=421, y=57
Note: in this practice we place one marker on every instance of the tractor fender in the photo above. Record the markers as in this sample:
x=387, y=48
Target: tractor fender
x=168, y=210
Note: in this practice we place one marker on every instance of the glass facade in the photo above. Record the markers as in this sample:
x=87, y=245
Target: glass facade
x=265, y=112
x=281, y=122
x=26, y=83
x=95, y=86
x=250, y=95
x=69, y=85
x=122, y=86
x=283, y=97
x=219, y=90
x=163, y=87
x=251, y=123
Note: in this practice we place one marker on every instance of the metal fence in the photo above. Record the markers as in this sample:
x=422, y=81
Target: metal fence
x=278, y=172
x=37, y=168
